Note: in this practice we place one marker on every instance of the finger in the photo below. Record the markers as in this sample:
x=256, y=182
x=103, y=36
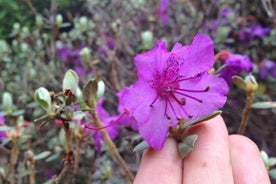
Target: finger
x=160, y=166
x=248, y=166
x=209, y=162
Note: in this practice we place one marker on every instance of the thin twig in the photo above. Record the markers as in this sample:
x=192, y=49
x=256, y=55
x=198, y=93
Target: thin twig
x=246, y=112
x=109, y=141
x=69, y=154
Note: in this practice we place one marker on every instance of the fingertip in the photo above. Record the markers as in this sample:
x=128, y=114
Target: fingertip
x=160, y=166
x=248, y=166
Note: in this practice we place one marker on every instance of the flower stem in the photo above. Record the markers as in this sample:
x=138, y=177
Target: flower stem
x=77, y=159
x=246, y=111
x=109, y=141
x=13, y=159
x=69, y=154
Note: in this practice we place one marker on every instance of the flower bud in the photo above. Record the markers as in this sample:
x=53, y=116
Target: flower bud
x=251, y=83
x=59, y=20
x=16, y=28
x=7, y=102
x=38, y=21
x=83, y=23
x=24, y=47
x=101, y=89
x=85, y=53
x=147, y=39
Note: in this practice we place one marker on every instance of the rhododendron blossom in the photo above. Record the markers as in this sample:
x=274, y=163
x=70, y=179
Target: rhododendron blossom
x=235, y=64
x=173, y=86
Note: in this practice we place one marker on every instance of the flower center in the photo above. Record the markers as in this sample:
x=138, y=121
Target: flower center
x=167, y=85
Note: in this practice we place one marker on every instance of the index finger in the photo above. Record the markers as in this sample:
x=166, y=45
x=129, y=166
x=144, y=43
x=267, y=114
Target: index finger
x=210, y=161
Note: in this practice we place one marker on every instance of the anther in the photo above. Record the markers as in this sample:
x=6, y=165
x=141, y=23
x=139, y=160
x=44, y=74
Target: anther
x=183, y=100
x=198, y=75
x=207, y=88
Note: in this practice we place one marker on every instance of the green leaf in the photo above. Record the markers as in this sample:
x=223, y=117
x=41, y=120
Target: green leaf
x=239, y=82
x=70, y=81
x=141, y=146
x=272, y=173
x=264, y=105
x=7, y=102
x=5, y=128
x=42, y=97
x=201, y=119
x=42, y=155
x=187, y=145
x=90, y=90
x=272, y=161
x=78, y=115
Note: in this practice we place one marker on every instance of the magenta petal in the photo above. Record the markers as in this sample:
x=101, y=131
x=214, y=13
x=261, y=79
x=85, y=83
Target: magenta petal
x=197, y=57
x=155, y=129
x=138, y=96
x=152, y=60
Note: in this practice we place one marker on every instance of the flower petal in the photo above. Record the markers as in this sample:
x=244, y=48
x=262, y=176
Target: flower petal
x=155, y=129
x=197, y=57
x=152, y=61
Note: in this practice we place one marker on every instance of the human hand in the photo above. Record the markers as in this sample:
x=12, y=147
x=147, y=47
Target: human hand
x=217, y=158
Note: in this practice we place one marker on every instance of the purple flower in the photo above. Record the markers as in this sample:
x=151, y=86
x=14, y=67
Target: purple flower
x=3, y=134
x=247, y=34
x=267, y=67
x=173, y=86
x=163, y=11
x=69, y=56
x=235, y=63
x=257, y=31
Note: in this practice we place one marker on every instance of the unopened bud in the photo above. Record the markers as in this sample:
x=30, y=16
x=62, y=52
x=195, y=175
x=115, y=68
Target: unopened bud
x=85, y=53
x=38, y=21
x=147, y=39
x=83, y=23
x=24, y=47
x=16, y=28
x=59, y=20
x=101, y=89
x=251, y=83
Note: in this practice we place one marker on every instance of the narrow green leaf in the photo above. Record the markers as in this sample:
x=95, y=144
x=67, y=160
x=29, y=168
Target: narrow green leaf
x=5, y=128
x=42, y=97
x=187, y=145
x=141, y=146
x=70, y=81
x=239, y=82
x=201, y=119
x=42, y=155
x=264, y=105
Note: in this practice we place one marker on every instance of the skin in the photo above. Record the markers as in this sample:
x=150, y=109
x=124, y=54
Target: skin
x=217, y=158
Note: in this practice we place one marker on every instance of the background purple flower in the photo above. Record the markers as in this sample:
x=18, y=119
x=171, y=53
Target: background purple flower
x=235, y=63
x=3, y=134
x=163, y=11
x=246, y=34
x=267, y=67
x=172, y=86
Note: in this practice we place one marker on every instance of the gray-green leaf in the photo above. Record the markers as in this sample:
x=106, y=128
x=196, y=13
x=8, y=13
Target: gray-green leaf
x=201, y=119
x=141, y=146
x=42, y=155
x=43, y=98
x=264, y=105
x=187, y=145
